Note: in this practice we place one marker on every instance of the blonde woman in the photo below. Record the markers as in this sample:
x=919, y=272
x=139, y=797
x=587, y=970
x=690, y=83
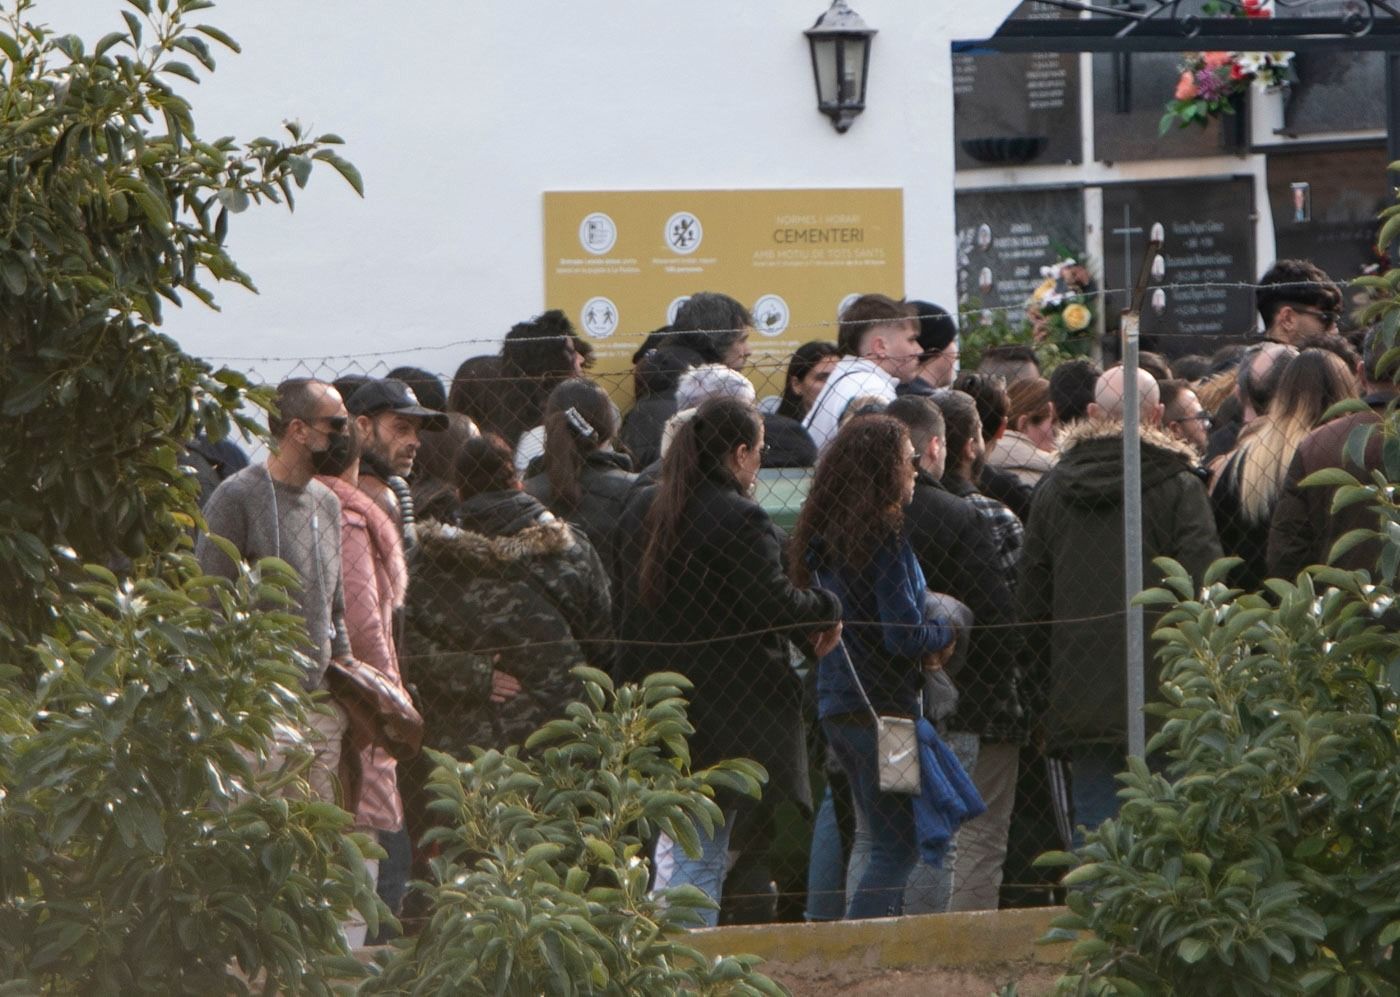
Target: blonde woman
x=1247, y=481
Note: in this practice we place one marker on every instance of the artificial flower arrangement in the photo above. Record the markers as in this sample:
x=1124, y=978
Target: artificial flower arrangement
x=1059, y=307
x=1211, y=83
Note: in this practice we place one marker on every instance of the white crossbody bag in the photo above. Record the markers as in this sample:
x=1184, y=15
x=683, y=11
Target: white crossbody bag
x=896, y=743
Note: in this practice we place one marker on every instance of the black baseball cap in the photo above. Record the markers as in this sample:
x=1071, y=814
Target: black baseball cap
x=389, y=394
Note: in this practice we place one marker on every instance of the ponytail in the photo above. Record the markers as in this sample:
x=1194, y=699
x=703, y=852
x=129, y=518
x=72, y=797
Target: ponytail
x=697, y=454
x=578, y=419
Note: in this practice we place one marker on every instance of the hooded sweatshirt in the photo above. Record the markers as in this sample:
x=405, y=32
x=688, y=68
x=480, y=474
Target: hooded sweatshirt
x=1071, y=583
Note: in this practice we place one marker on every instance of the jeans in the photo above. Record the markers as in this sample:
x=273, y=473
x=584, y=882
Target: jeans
x=393, y=876
x=1093, y=786
x=705, y=871
x=888, y=817
x=826, y=866
x=930, y=887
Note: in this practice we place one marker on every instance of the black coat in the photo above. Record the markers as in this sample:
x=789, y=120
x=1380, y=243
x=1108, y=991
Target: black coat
x=1070, y=590
x=957, y=550
x=1007, y=489
x=726, y=616
x=604, y=485
x=786, y=443
x=642, y=427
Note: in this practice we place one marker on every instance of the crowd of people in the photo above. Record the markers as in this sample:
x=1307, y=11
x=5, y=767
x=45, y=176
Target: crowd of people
x=957, y=563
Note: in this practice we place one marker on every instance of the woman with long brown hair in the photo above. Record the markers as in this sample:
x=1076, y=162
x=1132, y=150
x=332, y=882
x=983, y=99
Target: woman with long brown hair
x=702, y=591
x=850, y=539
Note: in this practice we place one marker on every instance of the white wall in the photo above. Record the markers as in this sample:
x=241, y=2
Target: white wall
x=460, y=115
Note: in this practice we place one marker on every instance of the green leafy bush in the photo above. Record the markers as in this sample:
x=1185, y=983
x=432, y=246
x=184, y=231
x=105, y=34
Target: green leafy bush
x=141, y=853
x=138, y=854
x=1269, y=861
x=541, y=884
x=111, y=206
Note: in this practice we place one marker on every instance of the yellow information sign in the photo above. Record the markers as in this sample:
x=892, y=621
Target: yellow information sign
x=619, y=263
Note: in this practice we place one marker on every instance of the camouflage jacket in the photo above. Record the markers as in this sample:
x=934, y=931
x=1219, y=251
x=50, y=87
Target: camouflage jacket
x=512, y=581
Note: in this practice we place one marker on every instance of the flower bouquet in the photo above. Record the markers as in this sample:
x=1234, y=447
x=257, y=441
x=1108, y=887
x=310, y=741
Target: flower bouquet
x=1059, y=308
x=1211, y=83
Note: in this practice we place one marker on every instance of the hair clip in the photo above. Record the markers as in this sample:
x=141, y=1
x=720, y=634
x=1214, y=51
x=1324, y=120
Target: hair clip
x=580, y=426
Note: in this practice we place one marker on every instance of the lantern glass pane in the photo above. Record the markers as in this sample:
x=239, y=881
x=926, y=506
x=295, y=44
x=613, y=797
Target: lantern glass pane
x=824, y=62
x=852, y=71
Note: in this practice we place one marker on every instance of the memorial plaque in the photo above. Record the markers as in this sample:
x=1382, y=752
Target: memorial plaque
x=1335, y=93
x=1130, y=96
x=1006, y=236
x=1324, y=206
x=1208, y=245
x=1017, y=108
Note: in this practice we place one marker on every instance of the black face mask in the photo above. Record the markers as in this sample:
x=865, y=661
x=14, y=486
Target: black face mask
x=336, y=458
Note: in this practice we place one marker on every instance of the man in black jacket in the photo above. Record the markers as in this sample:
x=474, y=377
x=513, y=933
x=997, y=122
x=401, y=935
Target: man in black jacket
x=957, y=549
x=1070, y=592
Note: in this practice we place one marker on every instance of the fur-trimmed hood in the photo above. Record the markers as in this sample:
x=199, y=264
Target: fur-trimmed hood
x=447, y=544
x=1091, y=461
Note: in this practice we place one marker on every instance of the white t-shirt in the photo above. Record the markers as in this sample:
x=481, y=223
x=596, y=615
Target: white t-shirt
x=851, y=378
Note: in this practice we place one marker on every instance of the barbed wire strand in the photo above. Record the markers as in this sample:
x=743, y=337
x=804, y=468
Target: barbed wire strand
x=965, y=310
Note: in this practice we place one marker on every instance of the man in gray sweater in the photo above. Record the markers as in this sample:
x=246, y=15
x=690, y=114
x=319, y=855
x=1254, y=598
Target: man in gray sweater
x=278, y=509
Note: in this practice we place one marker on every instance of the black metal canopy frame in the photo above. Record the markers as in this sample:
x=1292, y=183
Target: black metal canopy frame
x=1182, y=25
x=1174, y=25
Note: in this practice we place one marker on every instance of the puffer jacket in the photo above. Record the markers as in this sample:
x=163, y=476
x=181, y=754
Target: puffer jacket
x=511, y=588
x=1071, y=581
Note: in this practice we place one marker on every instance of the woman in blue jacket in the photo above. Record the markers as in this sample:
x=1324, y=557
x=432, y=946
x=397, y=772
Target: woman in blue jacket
x=850, y=540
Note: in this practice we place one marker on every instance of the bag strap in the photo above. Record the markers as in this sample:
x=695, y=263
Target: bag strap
x=841, y=645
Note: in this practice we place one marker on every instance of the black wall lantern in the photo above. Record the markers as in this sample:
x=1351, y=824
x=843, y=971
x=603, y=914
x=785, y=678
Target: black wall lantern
x=840, y=43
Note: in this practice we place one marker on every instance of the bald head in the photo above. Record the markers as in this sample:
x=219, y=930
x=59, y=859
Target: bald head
x=1108, y=397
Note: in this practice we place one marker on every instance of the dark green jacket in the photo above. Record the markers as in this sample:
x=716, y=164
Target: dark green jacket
x=512, y=581
x=1071, y=585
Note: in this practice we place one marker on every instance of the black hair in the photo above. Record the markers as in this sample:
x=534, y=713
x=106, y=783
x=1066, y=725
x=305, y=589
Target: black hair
x=1295, y=282
x=922, y=416
x=426, y=386
x=660, y=370
x=477, y=391
x=989, y=392
x=961, y=422
x=1373, y=350
x=1009, y=360
x=535, y=356
x=804, y=358
x=654, y=339
x=485, y=464
x=1191, y=367
x=578, y=419
x=1072, y=389
x=1334, y=343
x=709, y=323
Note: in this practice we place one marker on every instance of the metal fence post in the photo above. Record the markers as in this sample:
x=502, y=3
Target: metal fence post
x=1132, y=535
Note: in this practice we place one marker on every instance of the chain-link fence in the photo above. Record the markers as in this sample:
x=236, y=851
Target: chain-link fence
x=536, y=527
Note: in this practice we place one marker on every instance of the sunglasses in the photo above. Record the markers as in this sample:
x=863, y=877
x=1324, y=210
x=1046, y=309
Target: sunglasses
x=1327, y=318
x=338, y=423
